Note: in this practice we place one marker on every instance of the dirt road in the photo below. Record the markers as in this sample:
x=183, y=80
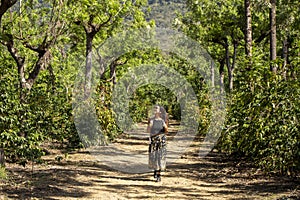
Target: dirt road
x=80, y=175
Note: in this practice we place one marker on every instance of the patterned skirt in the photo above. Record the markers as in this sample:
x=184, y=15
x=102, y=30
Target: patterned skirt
x=157, y=152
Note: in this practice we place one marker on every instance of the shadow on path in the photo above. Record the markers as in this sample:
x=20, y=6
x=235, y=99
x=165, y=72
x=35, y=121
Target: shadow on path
x=83, y=177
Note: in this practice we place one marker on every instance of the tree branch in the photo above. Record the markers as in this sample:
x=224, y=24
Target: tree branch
x=38, y=66
x=262, y=37
x=103, y=24
x=18, y=59
x=5, y=5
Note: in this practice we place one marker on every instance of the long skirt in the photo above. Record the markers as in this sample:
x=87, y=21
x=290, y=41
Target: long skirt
x=157, y=152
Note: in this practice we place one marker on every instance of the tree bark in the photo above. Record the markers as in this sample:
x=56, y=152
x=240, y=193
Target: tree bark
x=273, y=66
x=100, y=63
x=20, y=61
x=285, y=57
x=113, y=67
x=221, y=71
x=43, y=59
x=212, y=74
x=90, y=31
x=229, y=67
x=235, y=45
x=88, y=64
x=248, y=32
x=2, y=158
x=112, y=72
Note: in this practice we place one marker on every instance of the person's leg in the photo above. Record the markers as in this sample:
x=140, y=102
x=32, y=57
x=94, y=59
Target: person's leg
x=159, y=162
x=155, y=173
x=158, y=179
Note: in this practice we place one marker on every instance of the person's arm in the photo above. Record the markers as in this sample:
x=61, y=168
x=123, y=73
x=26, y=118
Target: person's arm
x=167, y=119
x=150, y=123
x=165, y=128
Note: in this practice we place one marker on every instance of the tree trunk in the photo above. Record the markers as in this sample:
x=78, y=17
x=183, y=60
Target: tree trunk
x=2, y=158
x=100, y=63
x=221, y=71
x=20, y=61
x=113, y=67
x=212, y=74
x=229, y=67
x=88, y=65
x=248, y=32
x=285, y=57
x=235, y=44
x=273, y=66
x=90, y=31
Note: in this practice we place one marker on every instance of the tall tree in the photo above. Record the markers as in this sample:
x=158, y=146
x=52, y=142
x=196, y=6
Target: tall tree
x=273, y=38
x=30, y=37
x=222, y=40
x=248, y=30
x=99, y=21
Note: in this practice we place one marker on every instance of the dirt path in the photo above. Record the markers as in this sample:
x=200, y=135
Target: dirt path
x=80, y=176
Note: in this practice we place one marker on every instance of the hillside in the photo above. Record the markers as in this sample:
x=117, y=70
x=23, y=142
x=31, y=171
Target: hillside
x=165, y=11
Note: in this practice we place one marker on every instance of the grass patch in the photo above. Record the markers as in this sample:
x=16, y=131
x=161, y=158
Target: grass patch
x=3, y=174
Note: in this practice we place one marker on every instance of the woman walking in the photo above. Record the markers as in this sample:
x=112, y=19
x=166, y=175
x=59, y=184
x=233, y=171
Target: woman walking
x=157, y=127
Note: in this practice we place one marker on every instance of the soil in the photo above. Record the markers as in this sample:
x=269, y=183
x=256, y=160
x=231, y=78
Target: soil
x=79, y=175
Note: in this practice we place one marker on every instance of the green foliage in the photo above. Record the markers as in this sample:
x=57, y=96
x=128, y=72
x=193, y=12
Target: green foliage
x=144, y=97
x=106, y=117
x=263, y=121
x=164, y=12
x=263, y=112
x=147, y=96
x=3, y=173
x=199, y=87
x=46, y=115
